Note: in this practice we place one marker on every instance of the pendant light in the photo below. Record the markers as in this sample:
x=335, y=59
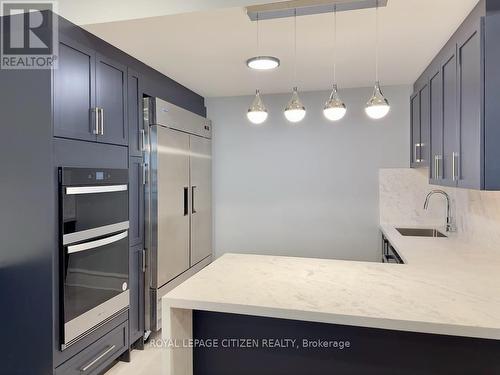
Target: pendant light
x=295, y=110
x=334, y=108
x=378, y=106
x=257, y=113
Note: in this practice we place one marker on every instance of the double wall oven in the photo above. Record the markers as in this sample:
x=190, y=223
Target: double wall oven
x=93, y=283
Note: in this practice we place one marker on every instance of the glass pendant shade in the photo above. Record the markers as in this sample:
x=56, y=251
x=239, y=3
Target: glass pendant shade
x=257, y=113
x=335, y=108
x=378, y=106
x=295, y=110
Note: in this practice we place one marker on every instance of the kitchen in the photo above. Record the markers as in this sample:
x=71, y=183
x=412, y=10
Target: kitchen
x=163, y=198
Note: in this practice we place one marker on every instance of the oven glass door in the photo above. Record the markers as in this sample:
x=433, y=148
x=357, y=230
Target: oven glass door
x=95, y=282
x=87, y=208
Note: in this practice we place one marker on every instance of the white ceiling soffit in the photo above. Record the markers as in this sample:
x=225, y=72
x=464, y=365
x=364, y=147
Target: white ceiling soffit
x=206, y=51
x=84, y=12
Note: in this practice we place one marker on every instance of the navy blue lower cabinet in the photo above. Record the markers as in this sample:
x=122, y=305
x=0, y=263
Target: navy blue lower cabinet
x=249, y=345
x=98, y=356
x=136, y=287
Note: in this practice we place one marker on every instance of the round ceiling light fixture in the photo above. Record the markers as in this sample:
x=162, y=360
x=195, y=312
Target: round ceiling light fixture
x=263, y=63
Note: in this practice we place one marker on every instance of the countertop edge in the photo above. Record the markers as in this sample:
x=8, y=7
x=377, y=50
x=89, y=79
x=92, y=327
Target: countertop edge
x=331, y=318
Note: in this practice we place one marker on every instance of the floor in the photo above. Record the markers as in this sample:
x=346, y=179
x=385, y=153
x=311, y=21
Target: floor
x=150, y=361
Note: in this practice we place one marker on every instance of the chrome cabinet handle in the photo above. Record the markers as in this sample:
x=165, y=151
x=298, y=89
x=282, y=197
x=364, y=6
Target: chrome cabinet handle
x=95, y=189
x=97, y=243
x=437, y=167
x=144, y=173
x=415, y=153
x=142, y=135
x=95, y=127
x=143, y=261
x=101, y=116
x=454, y=166
x=98, y=358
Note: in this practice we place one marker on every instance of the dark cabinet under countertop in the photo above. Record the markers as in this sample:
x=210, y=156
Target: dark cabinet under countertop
x=462, y=106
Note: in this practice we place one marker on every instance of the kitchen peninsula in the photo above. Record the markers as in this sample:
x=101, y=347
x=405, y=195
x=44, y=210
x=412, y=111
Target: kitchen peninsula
x=415, y=297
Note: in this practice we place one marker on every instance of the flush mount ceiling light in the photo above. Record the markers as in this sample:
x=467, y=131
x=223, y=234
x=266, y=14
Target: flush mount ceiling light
x=334, y=108
x=257, y=113
x=378, y=106
x=295, y=110
x=263, y=62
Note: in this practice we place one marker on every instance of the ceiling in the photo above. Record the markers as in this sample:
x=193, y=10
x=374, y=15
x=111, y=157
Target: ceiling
x=84, y=12
x=206, y=50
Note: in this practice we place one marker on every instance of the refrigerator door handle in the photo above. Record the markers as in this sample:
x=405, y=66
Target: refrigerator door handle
x=193, y=210
x=186, y=201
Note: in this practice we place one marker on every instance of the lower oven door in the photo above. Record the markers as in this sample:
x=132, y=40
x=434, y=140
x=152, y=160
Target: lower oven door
x=94, y=284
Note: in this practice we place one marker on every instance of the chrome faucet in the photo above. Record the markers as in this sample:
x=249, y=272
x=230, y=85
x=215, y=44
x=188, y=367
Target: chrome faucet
x=450, y=226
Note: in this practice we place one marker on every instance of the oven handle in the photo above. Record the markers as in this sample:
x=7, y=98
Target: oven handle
x=97, y=243
x=95, y=189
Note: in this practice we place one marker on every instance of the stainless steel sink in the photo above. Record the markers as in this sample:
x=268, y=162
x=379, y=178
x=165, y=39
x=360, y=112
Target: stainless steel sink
x=420, y=232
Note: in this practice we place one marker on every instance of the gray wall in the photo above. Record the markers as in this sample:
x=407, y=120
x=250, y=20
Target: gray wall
x=308, y=190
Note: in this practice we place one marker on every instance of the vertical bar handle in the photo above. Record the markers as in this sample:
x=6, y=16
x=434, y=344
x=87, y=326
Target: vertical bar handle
x=101, y=115
x=186, y=199
x=416, y=153
x=142, y=140
x=193, y=210
x=143, y=260
x=454, y=166
x=95, y=122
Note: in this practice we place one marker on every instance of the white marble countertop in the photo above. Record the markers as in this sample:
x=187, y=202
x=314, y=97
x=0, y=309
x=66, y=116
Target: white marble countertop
x=445, y=287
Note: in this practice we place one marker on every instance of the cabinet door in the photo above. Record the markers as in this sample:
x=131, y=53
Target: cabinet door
x=450, y=121
x=425, y=126
x=436, y=120
x=111, y=96
x=135, y=114
x=74, y=92
x=415, y=130
x=201, y=198
x=136, y=201
x=136, y=287
x=470, y=100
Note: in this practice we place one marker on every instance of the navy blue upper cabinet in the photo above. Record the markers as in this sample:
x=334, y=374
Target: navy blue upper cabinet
x=415, y=129
x=450, y=123
x=420, y=127
x=74, y=87
x=470, y=104
x=436, y=125
x=464, y=110
x=425, y=125
x=111, y=98
x=135, y=114
x=90, y=93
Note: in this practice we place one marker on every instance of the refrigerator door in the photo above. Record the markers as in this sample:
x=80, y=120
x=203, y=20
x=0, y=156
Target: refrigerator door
x=170, y=201
x=201, y=199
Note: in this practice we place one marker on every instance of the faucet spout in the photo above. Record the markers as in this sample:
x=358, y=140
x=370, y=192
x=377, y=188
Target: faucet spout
x=450, y=226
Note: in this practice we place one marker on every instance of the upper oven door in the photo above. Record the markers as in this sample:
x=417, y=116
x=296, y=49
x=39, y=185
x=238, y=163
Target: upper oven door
x=94, y=203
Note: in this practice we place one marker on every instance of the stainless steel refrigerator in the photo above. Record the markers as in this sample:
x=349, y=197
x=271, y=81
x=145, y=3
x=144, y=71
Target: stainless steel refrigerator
x=178, y=207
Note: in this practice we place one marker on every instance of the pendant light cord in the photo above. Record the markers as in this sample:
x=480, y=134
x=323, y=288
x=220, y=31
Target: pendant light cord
x=295, y=47
x=376, y=42
x=335, y=44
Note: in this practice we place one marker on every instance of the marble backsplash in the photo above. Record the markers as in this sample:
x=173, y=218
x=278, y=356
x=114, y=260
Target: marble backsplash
x=402, y=193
